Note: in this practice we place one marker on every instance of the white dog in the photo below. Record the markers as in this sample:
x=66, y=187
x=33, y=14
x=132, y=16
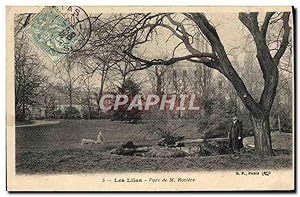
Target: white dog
x=100, y=140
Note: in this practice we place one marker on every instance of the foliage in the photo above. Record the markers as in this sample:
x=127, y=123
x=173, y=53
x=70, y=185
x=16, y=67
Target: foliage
x=57, y=114
x=285, y=121
x=29, y=79
x=159, y=123
x=72, y=113
x=217, y=122
x=92, y=114
x=50, y=108
x=129, y=88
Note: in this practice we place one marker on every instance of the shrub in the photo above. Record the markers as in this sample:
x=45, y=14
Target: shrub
x=214, y=148
x=129, y=88
x=132, y=116
x=72, y=113
x=86, y=114
x=158, y=122
x=285, y=121
x=216, y=124
x=56, y=114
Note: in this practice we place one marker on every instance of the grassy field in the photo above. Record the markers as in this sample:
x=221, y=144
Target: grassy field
x=57, y=149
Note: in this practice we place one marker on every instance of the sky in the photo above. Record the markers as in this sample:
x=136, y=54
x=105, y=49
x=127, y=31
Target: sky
x=231, y=32
x=230, y=29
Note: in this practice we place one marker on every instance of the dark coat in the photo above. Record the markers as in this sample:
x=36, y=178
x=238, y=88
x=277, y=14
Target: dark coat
x=236, y=131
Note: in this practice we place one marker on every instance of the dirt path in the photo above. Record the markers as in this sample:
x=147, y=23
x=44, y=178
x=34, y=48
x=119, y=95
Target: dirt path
x=38, y=123
x=282, y=141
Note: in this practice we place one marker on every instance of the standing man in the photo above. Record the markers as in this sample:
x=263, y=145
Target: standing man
x=236, y=135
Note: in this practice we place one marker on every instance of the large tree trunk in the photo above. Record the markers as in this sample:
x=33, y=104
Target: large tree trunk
x=262, y=135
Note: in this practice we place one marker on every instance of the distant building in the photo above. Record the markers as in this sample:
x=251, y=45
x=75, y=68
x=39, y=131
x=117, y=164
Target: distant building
x=56, y=98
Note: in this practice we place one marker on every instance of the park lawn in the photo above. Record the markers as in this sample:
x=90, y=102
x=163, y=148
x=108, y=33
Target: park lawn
x=57, y=149
x=68, y=134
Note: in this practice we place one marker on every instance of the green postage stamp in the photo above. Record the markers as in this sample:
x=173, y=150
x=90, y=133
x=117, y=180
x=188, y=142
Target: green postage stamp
x=53, y=34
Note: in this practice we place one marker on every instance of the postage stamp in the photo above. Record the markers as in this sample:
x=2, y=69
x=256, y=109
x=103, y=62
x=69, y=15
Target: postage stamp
x=53, y=34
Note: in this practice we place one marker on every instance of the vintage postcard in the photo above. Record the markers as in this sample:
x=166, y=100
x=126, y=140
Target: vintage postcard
x=150, y=98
